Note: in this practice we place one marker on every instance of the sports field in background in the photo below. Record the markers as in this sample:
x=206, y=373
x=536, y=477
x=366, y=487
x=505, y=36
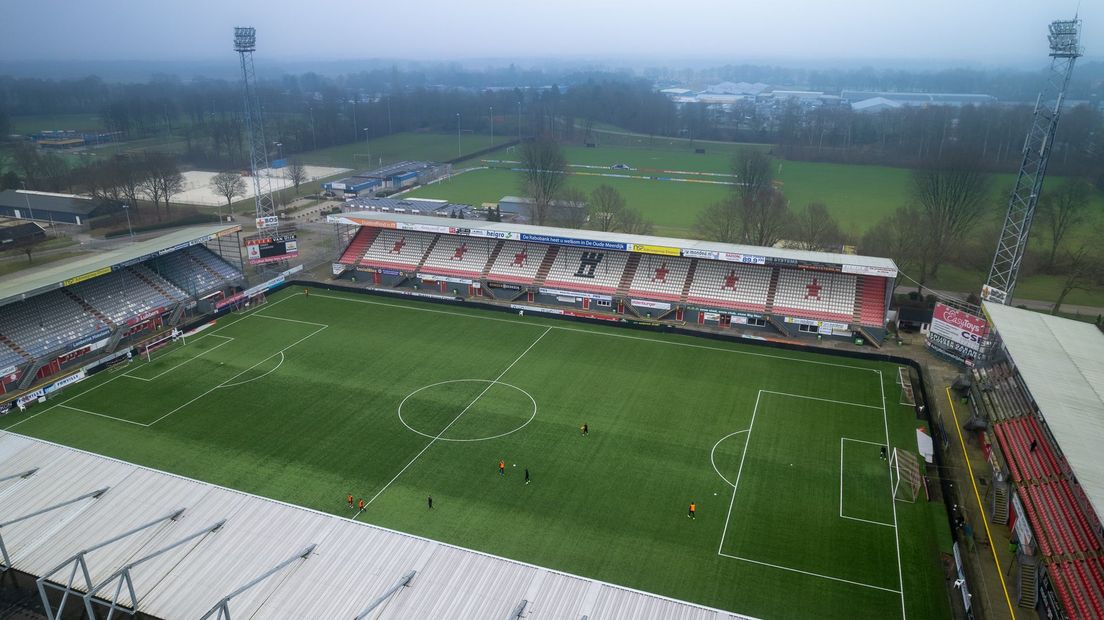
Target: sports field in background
x=401, y=147
x=310, y=398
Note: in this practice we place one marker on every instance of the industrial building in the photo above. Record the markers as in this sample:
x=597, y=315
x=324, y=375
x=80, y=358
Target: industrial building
x=50, y=207
x=390, y=178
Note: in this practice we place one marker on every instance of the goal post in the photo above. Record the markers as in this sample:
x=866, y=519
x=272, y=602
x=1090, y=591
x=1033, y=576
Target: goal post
x=904, y=381
x=906, y=475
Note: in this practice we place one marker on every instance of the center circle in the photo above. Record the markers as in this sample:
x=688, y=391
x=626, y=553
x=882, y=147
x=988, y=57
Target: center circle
x=463, y=407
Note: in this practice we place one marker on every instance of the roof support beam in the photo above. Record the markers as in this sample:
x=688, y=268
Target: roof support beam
x=6, y=564
x=520, y=609
x=405, y=581
x=25, y=474
x=221, y=610
x=79, y=563
x=124, y=577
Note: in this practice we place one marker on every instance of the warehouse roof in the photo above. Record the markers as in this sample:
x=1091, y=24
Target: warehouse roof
x=325, y=566
x=1062, y=364
x=47, y=201
x=870, y=265
x=25, y=284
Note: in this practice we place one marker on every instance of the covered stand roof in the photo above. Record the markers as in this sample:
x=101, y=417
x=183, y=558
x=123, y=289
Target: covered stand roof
x=258, y=553
x=63, y=273
x=1062, y=364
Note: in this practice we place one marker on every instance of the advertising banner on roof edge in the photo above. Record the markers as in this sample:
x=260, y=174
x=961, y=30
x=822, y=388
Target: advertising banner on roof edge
x=655, y=249
x=582, y=243
x=965, y=330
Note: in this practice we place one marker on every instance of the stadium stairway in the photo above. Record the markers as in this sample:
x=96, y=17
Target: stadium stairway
x=359, y=245
x=493, y=257
x=628, y=274
x=771, y=288
x=1029, y=582
x=428, y=251
x=88, y=308
x=689, y=280
x=202, y=265
x=153, y=284
x=546, y=264
x=15, y=347
x=869, y=338
x=1000, y=505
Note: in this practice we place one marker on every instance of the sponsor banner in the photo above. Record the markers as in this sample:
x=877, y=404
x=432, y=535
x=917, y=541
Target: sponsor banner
x=271, y=249
x=960, y=327
x=711, y=316
x=536, y=309
x=829, y=325
x=105, y=361
x=561, y=293
x=93, y=337
x=885, y=272
x=11, y=377
x=643, y=303
x=260, y=288
x=493, y=234
x=692, y=253
x=567, y=300
x=359, y=221
x=747, y=259
x=655, y=249
x=270, y=221
x=503, y=285
x=993, y=294
x=1022, y=528
x=432, y=278
x=581, y=243
x=70, y=380
x=145, y=316
x=5, y=408
x=338, y=269
x=226, y=301
x=31, y=396
x=228, y=232
x=179, y=246
x=952, y=349
x=9, y=370
x=72, y=355
x=429, y=228
x=390, y=272
x=87, y=276
x=416, y=294
x=591, y=315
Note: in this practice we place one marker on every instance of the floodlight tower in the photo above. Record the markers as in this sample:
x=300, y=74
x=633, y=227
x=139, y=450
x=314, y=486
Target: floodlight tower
x=1065, y=48
x=245, y=42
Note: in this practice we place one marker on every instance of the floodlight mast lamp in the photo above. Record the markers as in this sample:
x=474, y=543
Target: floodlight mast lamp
x=1065, y=48
x=245, y=43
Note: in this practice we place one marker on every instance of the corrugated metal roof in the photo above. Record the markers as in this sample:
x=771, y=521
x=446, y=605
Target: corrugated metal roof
x=24, y=283
x=1062, y=364
x=827, y=258
x=352, y=565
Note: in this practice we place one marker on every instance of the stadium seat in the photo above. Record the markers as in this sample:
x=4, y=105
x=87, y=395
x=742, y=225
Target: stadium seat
x=815, y=295
x=398, y=249
x=124, y=294
x=871, y=300
x=195, y=269
x=660, y=277
x=459, y=256
x=47, y=323
x=359, y=245
x=517, y=262
x=576, y=269
x=730, y=285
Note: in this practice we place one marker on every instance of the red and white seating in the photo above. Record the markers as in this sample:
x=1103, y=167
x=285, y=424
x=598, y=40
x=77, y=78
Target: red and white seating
x=577, y=269
x=815, y=295
x=518, y=262
x=660, y=277
x=871, y=301
x=398, y=249
x=359, y=245
x=730, y=285
x=459, y=256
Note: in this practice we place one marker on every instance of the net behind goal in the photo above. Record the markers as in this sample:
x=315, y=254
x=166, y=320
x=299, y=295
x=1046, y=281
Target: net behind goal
x=906, y=475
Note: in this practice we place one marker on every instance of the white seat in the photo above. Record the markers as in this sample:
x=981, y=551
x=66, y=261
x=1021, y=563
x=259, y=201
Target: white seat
x=587, y=270
x=518, y=262
x=730, y=285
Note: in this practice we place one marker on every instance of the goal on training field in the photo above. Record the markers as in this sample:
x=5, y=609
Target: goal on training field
x=905, y=473
x=905, y=383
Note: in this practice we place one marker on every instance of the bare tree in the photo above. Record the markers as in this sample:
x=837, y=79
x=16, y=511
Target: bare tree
x=1082, y=268
x=1062, y=210
x=163, y=171
x=228, y=185
x=544, y=176
x=895, y=236
x=767, y=218
x=607, y=205
x=296, y=173
x=721, y=221
x=634, y=223
x=149, y=184
x=571, y=208
x=28, y=162
x=752, y=168
x=952, y=193
x=816, y=229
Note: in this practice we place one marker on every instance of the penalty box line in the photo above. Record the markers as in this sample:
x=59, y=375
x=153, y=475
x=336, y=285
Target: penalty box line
x=732, y=502
x=873, y=443
x=226, y=340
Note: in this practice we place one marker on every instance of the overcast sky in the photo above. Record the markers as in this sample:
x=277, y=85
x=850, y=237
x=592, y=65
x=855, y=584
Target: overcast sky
x=982, y=32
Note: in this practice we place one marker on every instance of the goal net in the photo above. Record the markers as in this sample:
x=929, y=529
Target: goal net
x=905, y=383
x=146, y=350
x=905, y=474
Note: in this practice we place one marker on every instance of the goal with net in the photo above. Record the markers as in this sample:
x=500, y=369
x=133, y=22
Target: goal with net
x=904, y=381
x=906, y=475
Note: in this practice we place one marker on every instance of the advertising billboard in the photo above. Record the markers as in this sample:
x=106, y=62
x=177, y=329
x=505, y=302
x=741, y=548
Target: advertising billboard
x=271, y=249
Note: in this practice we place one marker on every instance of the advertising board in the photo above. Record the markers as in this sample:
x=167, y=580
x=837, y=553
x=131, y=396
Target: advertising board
x=271, y=249
x=963, y=329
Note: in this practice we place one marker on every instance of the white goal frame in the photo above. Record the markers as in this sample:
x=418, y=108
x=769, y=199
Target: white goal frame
x=905, y=383
x=906, y=475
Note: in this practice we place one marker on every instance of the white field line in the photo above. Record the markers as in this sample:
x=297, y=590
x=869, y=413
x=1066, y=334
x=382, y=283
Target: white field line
x=714, y=450
x=824, y=400
x=280, y=318
x=843, y=439
x=226, y=340
x=102, y=415
x=805, y=572
x=896, y=531
x=454, y=420
x=224, y=383
x=739, y=471
x=274, y=369
x=595, y=333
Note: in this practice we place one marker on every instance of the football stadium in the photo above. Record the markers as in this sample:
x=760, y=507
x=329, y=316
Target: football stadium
x=502, y=421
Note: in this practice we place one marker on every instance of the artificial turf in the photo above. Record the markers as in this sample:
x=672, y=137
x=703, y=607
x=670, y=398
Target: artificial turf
x=299, y=401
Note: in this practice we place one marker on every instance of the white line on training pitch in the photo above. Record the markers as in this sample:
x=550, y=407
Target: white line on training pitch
x=873, y=443
x=454, y=420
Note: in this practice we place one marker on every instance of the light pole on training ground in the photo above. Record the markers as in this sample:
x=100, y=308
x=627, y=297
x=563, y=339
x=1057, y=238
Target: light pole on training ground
x=368, y=145
x=492, y=125
x=458, y=134
x=519, y=121
x=126, y=209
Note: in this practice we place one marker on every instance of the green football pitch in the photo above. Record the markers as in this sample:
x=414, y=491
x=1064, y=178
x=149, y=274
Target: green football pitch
x=309, y=398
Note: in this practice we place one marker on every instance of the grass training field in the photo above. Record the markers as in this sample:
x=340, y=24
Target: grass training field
x=400, y=147
x=309, y=398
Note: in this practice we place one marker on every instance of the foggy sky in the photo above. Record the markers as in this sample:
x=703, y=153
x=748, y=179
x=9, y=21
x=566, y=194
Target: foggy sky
x=980, y=32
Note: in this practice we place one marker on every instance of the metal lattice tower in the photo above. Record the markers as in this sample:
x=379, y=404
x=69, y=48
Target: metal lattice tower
x=1065, y=48
x=245, y=42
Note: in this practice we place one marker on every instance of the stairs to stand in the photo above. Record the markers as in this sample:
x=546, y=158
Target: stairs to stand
x=771, y=290
x=627, y=275
x=689, y=280
x=154, y=285
x=546, y=264
x=359, y=245
x=87, y=307
x=1000, y=505
x=1029, y=583
x=493, y=257
x=14, y=347
x=428, y=251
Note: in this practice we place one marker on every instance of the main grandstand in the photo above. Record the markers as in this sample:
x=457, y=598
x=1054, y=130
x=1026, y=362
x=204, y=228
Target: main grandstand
x=610, y=275
x=1042, y=397
x=55, y=318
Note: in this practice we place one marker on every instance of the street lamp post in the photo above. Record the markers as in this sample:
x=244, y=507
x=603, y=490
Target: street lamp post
x=492, y=125
x=457, y=134
x=519, y=121
x=368, y=145
x=126, y=209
